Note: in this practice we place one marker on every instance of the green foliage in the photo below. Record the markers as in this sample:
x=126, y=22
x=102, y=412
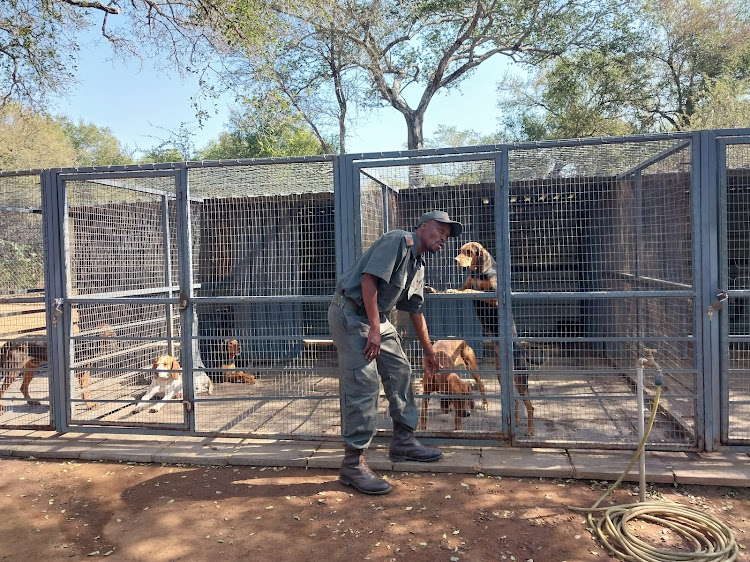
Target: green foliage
x=94, y=146
x=266, y=128
x=21, y=266
x=667, y=65
x=158, y=154
x=452, y=136
x=29, y=140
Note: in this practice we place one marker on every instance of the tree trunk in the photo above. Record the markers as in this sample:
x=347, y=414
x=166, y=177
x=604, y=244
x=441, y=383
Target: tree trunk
x=414, y=120
x=415, y=134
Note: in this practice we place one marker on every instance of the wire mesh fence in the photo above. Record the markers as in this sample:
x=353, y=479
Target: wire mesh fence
x=736, y=232
x=24, y=377
x=579, y=258
x=597, y=241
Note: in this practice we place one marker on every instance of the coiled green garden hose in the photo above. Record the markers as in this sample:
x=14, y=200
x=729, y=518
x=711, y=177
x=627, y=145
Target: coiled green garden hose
x=712, y=539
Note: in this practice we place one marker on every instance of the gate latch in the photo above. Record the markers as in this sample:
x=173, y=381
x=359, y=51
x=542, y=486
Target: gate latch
x=57, y=312
x=188, y=405
x=718, y=304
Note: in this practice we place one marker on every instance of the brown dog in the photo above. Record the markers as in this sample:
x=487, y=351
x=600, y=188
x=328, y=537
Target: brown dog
x=451, y=354
x=229, y=369
x=26, y=354
x=483, y=278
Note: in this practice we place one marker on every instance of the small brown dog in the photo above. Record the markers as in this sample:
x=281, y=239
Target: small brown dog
x=451, y=354
x=26, y=354
x=229, y=369
x=483, y=278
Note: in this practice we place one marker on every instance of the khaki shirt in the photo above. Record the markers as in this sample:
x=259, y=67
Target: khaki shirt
x=394, y=261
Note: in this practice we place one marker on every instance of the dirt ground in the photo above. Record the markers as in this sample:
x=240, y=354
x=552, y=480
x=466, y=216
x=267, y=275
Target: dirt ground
x=58, y=510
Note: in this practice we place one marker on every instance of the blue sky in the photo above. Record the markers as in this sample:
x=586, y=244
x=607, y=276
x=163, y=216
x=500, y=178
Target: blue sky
x=141, y=105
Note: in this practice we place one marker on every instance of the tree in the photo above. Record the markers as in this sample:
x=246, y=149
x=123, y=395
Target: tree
x=94, y=146
x=665, y=65
x=452, y=136
x=721, y=107
x=257, y=134
x=433, y=44
x=29, y=141
x=39, y=39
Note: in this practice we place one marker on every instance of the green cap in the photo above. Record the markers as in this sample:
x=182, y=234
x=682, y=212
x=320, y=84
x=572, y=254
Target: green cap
x=441, y=216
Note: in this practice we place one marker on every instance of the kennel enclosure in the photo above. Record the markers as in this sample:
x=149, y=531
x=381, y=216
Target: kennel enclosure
x=605, y=248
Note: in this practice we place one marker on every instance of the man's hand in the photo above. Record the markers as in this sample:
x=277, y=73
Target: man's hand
x=431, y=366
x=372, y=349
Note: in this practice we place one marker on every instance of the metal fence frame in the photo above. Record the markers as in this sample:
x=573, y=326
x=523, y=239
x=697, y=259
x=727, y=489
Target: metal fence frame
x=709, y=240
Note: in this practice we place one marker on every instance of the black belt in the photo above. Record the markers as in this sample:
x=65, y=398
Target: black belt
x=350, y=304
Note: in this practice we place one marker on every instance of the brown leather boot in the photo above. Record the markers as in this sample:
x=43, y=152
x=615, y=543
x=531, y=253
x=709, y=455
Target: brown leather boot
x=355, y=472
x=404, y=447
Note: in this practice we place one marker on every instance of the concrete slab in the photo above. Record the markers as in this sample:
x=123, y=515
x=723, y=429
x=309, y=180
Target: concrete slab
x=548, y=463
x=185, y=451
x=717, y=469
x=328, y=455
x=8, y=446
x=116, y=450
x=608, y=465
x=52, y=449
x=725, y=469
x=464, y=460
x=15, y=433
x=272, y=453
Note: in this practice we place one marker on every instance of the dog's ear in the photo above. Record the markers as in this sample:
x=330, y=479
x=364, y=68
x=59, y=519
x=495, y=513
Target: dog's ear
x=175, y=367
x=484, y=261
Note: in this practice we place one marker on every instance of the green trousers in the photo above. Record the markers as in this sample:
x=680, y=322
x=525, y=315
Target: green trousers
x=359, y=381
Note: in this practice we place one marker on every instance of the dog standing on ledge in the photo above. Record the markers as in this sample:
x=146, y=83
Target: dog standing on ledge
x=483, y=278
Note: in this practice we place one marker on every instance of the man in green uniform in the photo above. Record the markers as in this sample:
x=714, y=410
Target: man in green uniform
x=390, y=274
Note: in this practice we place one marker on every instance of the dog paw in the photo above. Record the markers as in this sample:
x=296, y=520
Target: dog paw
x=484, y=406
x=33, y=403
x=428, y=289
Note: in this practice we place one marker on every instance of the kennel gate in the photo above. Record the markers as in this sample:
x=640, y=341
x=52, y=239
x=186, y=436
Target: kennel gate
x=733, y=297
x=148, y=269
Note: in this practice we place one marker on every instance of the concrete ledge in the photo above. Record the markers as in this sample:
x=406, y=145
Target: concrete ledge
x=718, y=469
x=548, y=463
x=260, y=452
x=608, y=465
x=455, y=459
x=721, y=469
x=123, y=449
